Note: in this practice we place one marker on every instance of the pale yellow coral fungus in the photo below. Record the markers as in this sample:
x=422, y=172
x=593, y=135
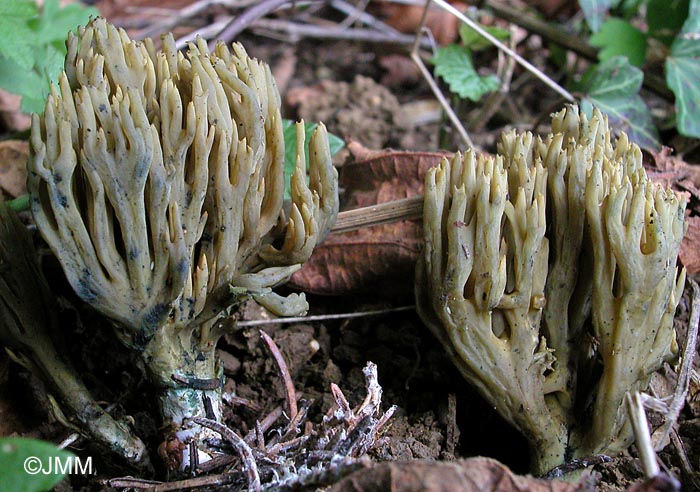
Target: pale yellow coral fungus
x=156, y=178
x=546, y=265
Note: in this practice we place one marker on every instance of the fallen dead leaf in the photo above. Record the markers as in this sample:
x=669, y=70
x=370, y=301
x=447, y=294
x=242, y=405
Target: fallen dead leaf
x=690, y=247
x=673, y=172
x=376, y=260
x=13, y=167
x=406, y=18
x=11, y=117
x=400, y=70
x=471, y=475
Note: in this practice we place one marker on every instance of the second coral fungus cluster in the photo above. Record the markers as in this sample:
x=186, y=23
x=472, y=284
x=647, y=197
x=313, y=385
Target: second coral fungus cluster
x=549, y=275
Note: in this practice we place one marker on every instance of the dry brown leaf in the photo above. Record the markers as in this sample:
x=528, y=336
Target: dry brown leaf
x=379, y=259
x=690, y=247
x=672, y=171
x=400, y=70
x=11, y=117
x=406, y=18
x=471, y=475
x=553, y=9
x=13, y=167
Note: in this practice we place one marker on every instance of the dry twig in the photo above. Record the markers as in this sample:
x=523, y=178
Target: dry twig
x=284, y=374
x=683, y=384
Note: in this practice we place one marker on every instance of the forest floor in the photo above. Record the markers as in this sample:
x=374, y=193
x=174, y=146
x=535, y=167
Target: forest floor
x=370, y=94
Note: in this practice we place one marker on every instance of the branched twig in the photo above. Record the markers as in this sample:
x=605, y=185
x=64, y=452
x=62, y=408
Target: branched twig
x=415, y=56
x=243, y=21
x=298, y=30
x=498, y=44
x=683, y=384
x=245, y=452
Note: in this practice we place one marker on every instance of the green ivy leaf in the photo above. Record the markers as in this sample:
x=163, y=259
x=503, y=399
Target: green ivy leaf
x=614, y=89
x=290, y=148
x=683, y=73
x=17, y=36
x=55, y=22
x=33, y=48
x=25, y=82
x=665, y=18
x=475, y=41
x=594, y=11
x=619, y=37
x=454, y=64
x=19, y=454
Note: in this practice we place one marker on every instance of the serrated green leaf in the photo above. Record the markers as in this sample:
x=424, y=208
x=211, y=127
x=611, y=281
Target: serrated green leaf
x=594, y=11
x=18, y=8
x=626, y=8
x=619, y=37
x=683, y=73
x=475, y=41
x=454, y=64
x=17, y=36
x=614, y=89
x=31, y=56
x=19, y=80
x=335, y=144
x=54, y=23
x=665, y=18
x=16, y=453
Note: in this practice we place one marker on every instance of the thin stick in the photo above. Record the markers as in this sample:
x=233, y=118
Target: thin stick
x=243, y=21
x=642, y=437
x=194, y=483
x=352, y=12
x=354, y=15
x=683, y=384
x=176, y=17
x=321, y=317
x=522, y=61
x=131, y=482
x=249, y=465
x=284, y=374
x=68, y=441
x=383, y=213
x=299, y=30
x=415, y=56
x=567, y=40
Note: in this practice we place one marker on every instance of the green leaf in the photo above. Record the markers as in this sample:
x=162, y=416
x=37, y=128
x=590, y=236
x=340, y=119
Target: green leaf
x=594, y=11
x=683, y=73
x=619, y=37
x=17, y=36
x=626, y=8
x=19, y=204
x=54, y=22
x=23, y=462
x=665, y=18
x=33, y=49
x=454, y=64
x=19, y=80
x=290, y=148
x=475, y=41
x=614, y=89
